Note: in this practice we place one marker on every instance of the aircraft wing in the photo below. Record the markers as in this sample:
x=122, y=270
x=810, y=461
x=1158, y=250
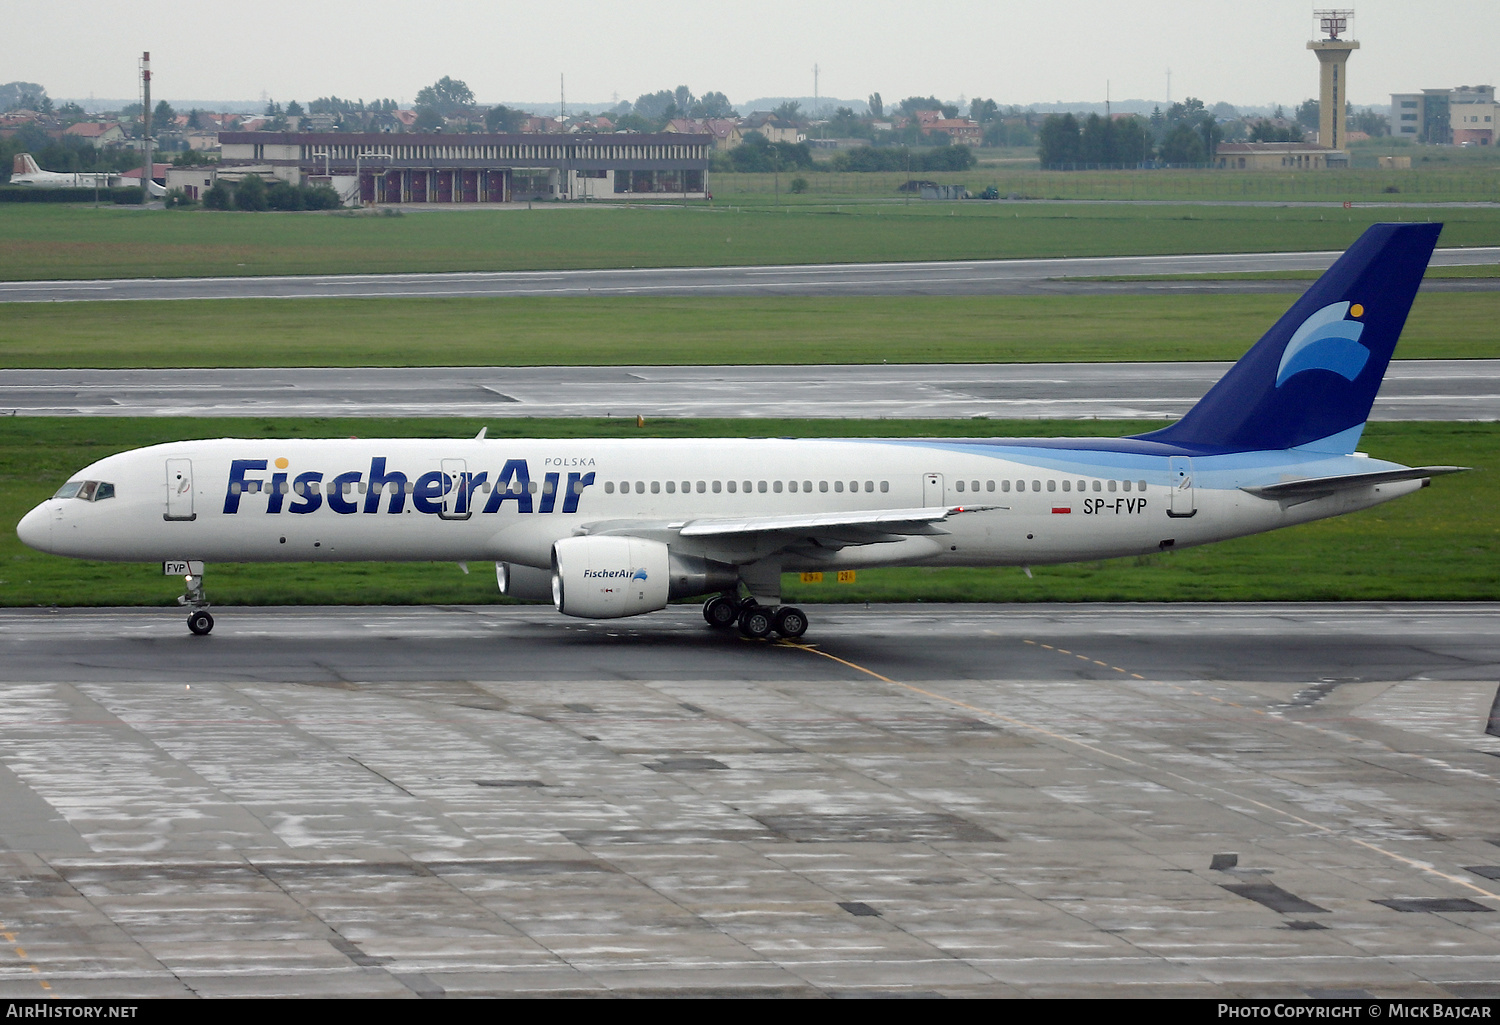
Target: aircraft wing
x=1317, y=487
x=885, y=521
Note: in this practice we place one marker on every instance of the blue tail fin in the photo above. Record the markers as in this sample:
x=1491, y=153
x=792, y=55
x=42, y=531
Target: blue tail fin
x=1311, y=380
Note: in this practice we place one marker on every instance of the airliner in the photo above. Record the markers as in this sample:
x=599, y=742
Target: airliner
x=26, y=171
x=610, y=528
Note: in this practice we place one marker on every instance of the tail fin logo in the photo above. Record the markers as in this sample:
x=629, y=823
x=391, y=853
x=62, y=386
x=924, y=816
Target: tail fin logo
x=1326, y=341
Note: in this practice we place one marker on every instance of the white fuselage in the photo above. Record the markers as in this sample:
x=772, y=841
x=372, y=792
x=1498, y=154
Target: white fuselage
x=230, y=500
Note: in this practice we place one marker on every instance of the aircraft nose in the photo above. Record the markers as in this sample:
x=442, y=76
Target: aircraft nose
x=35, y=528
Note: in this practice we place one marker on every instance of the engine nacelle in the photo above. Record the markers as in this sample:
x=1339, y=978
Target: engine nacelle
x=609, y=577
x=526, y=583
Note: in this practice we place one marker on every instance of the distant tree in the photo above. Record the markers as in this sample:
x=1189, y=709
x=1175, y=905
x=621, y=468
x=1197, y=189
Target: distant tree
x=273, y=109
x=877, y=106
x=1308, y=114
x=1183, y=145
x=758, y=154
x=684, y=98
x=284, y=196
x=633, y=123
x=1058, y=141
x=1268, y=131
x=983, y=111
x=1225, y=111
x=250, y=193
x=162, y=115
x=12, y=95
x=218, y=197
x=504, y=119
x=320, y=197
x=912, y=104
x=655, y=108
x=429, y=120
x=713, y=105
x=790, y=110
x=177, y=198
x=1371, y=122
x=448, y=96
x=294, y=109
x=192, y=158
x=799, y=185
x=195, y=118
x=71, y=111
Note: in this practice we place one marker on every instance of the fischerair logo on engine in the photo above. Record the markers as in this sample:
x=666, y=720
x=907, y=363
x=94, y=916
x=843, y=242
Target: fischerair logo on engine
x=383, y=489
x=1326, y=341
x=614, y=574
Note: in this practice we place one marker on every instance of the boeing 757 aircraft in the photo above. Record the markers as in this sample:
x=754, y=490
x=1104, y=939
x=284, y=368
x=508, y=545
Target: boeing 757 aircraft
x=613, y=528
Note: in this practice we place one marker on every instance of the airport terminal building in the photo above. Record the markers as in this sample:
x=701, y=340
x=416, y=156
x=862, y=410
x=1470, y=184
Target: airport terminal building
x=383, y=168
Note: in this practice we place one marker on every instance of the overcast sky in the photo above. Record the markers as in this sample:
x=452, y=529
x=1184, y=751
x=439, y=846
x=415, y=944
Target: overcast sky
x=1246, y=52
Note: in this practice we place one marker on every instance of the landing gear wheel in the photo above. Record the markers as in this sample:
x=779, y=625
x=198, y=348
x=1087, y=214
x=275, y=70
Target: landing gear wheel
x=755, y=622
x=790, y=622
x=721, y=612
x=200, y=623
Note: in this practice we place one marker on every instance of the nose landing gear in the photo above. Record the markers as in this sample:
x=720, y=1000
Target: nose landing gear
x=199, y=621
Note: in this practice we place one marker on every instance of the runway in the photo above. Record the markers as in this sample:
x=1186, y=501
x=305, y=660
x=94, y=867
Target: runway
x=1089, y=800
x=1412, y=390
x=963, y=277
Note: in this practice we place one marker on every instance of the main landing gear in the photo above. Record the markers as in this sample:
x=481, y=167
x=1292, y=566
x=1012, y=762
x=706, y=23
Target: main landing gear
x=754, y=620
x=199, y=621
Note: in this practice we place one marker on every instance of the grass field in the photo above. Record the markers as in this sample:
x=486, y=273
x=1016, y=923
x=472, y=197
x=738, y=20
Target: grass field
x=1467, y=182
x=1441, y=543
x=540, y=331
x=39, y=242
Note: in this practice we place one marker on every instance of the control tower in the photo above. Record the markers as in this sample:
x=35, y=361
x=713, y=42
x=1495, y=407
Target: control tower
x=1333, y=53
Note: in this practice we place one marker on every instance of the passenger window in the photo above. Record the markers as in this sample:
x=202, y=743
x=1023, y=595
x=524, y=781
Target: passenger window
x=989, y=485
x=1052, y=485
x=762, y=488
x=640, y=487
x=807, y=486
x=853, y=485
x=732, y=486
x=973, y=485
x=746, y=486
x=671, y=487
x=1140, y=485
x=838, y=486
x=1113, y=485
x=885, y=486
x=791, y=486
x=1036, y=485
x=869, y=486
x=687, y=486
x=716, y=487
x=1096, y=485
x=1005, y=486
x=656, y=487
x=959, y=485
x=1067, y=485
x=609, y=487
x=776, y=487
x=823, y=487
x=578, y=487
x=703, y=486
x=1127, y=485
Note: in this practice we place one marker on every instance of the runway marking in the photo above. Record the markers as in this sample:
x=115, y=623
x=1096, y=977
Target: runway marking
x=10, y=938
x=1421, y=866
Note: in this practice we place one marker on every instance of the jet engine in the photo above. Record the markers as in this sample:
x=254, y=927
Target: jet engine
x=526, y=583
x=610, y=576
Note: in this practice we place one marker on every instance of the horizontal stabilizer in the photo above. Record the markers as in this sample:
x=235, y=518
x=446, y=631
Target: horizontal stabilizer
x=888, y=520
x=1314, y=487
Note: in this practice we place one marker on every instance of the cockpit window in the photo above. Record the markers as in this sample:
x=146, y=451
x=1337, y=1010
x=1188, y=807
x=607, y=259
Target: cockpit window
x=88, y=490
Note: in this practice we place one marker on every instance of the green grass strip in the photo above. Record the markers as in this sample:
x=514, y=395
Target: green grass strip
x=43, y=241
x=635, y=331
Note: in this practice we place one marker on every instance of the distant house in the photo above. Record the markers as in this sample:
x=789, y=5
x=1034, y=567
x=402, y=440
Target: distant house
x=1278, y=156
x=773, y=128
x=961, y=130
x=100, y=133
x=726, y=133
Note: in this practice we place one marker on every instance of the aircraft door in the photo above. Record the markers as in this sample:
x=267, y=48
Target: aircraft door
x=932, y=491
x=1182, y=504
x=179, y=490
x=455, y=490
